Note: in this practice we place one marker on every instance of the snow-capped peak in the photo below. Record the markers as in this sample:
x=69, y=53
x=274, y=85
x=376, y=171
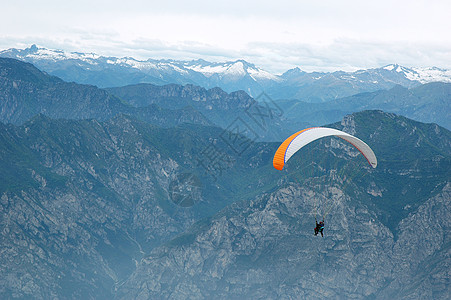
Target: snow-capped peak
x=422, y=75
x=234, y=69
x=397, y=68
x=35, y=52
x=389, y=67
x=209, y=69
x=432, y=74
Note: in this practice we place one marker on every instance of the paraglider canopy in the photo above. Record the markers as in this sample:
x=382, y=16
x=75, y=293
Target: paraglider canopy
x=298, y=140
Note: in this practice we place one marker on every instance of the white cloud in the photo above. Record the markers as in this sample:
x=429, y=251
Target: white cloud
x=276, y=35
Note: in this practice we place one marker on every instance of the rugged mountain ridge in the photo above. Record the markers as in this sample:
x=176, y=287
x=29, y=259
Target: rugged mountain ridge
x=142, y=95
x=93, y=198
x=82, y=201
x=429, y=103
x=265, y=248
x=26, y=91
x=89, y=68
x=259, y=118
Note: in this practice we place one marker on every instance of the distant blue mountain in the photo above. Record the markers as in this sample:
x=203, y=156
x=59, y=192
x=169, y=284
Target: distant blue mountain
x=26, y=91
x=89, y=68
x=429, y=103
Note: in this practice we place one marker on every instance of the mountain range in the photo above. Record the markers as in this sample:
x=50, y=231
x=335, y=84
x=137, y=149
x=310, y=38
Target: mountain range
x=27, y=91
x=167, y=192
x=430, y=103
x=90, y=68
x=264, y=117
x=124, y=209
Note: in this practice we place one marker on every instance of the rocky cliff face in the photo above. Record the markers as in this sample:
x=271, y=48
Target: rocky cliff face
x=91, y=208
x=266, y=249
x=121, y=208
x=421, y=255
x=83, y=201
x=386, y=235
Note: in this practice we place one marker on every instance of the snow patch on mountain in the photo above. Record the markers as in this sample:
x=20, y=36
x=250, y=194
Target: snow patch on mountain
x=210, y=70
x=229, y=75
x=259, y=74
x=426, y=75
x=422, y=75
x=236, y=69
x=58, y=55
x=389, y=67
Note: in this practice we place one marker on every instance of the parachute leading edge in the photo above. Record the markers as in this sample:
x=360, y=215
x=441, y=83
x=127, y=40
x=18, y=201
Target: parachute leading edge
x=298, y=140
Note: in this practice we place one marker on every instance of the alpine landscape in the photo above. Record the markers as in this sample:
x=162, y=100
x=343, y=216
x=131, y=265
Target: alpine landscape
x=189, y=177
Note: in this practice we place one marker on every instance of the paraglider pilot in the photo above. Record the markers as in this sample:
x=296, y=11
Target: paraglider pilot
x=319, y=227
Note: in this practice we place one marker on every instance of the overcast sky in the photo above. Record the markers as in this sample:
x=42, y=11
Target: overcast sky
x=322, y=35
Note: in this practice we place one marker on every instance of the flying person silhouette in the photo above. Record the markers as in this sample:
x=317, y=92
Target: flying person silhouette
x=319, y=227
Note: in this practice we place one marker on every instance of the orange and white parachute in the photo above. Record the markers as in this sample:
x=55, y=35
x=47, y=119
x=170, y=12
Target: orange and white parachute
x=298, y=140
